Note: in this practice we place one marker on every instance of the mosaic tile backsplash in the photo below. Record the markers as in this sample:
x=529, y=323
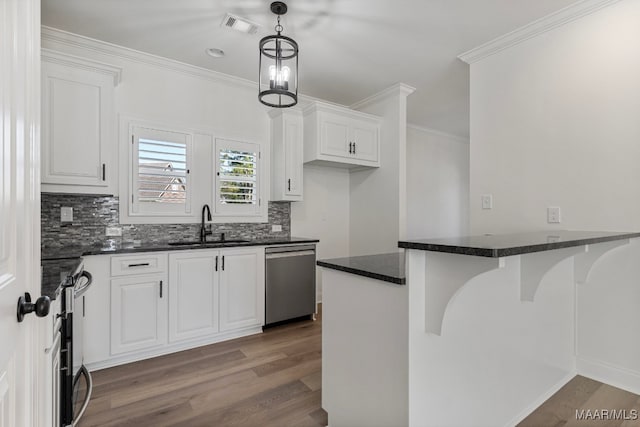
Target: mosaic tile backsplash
x=92, y=214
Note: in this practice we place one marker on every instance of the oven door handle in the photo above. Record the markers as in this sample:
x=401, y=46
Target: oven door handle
x=83, y=370
x=78, y=292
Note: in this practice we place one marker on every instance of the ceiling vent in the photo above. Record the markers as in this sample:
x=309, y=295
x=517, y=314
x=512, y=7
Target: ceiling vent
x=239, y=24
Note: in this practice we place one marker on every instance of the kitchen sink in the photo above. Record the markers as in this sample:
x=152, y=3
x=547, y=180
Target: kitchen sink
x=208, y=242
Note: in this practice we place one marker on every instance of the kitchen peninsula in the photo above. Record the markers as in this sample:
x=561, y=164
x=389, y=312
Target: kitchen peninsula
x=480, y=335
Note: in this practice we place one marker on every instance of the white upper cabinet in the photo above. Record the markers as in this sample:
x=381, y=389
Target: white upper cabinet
x=78, y=119
x=338, y=136
x=286, y=155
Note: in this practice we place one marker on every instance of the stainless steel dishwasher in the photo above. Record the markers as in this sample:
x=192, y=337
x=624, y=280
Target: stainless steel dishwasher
x=290, y=283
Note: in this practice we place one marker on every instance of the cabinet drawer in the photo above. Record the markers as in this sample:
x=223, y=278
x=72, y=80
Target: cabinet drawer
x=138, y=264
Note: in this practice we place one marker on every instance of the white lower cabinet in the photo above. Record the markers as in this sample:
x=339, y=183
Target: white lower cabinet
x=193, y=294
x=138, y=313
x=241, y=288
x=193, y=298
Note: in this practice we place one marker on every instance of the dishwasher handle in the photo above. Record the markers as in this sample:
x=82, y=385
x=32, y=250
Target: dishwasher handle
x=276, y=255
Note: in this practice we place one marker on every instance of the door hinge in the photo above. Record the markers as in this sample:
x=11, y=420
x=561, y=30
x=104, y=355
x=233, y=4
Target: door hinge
x=132, y=138
x=132, y=198
x=259, y=202
x=259, y=154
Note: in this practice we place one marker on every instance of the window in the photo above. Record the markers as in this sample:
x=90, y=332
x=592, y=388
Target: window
x=160, y=178
x=237, y=177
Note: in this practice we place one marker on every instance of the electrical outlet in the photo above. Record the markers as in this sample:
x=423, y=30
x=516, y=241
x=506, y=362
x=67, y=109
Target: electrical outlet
x=487, y=201
x=554, y=215
x=275, y=228
x=113, y=232
x=66, y=214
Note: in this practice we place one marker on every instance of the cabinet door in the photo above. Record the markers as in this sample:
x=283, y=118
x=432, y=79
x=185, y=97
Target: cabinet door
x=334, y=135
x=293, y=156
x=76, y=122
x=138, y=313
x=365, y=138
x=241, y=288
x=193, y=294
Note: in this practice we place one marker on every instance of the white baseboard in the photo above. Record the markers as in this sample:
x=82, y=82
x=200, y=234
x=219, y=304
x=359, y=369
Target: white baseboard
x=607, y=373
x=170, y=348
x=541, y=399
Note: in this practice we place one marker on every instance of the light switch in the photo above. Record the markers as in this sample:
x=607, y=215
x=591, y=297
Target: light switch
x=487, y=201
x=66, y=214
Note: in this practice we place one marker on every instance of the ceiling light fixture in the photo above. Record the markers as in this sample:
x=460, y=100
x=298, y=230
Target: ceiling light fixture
x=215, y=52
x=278, y=69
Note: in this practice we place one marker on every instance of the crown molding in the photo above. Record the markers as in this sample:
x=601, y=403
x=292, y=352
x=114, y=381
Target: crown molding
x=554, y=20
x=434, y=132
x=65, y=38
x=398, y=88
x=57, y=57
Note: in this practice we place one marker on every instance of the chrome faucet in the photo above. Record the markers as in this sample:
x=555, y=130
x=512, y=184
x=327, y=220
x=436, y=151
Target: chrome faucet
x=205, y=229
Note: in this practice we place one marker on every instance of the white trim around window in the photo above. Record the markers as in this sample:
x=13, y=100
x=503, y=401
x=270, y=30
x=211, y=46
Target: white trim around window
x=193, y=155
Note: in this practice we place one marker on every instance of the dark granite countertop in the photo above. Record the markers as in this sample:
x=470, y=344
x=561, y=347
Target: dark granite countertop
x=115, y=248
x=58, y=263
x=502, y=245
x=385, y=267
x=56, y=273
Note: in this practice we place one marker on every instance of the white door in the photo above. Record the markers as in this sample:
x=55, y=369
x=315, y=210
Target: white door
x=138, y=313
x=334, y=135
x=193, y=294
x=241, y=288
x=20, y=350
x=293, y=155
x=365, y=138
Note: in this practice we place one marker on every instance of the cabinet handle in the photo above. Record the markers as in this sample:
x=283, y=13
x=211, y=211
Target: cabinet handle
x=142, y=264
x=354, y=148
x=222, y=262
x=104, y=172
x=216, y=262
x=350, y=147
x=161, y=286
x=289, y=184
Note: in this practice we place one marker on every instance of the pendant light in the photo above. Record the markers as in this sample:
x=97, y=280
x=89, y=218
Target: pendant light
x=278, y=78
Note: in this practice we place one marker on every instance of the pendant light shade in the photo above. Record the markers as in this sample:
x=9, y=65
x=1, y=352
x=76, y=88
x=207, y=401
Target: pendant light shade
x=278, y=79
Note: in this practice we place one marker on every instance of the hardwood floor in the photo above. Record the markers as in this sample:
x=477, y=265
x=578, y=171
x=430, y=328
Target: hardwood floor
x=584, y=396
x=270, y=379
x=274, y=379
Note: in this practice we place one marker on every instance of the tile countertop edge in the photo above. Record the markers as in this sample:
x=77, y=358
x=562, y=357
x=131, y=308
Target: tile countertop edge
x=438, y=245
x=396, y=278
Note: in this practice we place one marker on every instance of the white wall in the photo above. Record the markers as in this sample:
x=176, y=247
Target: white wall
x=378, y=196
x=324, y=213
x=554, y=122
x=437, y=184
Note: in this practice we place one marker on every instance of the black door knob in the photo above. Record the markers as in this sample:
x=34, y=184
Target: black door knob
x=25, y=306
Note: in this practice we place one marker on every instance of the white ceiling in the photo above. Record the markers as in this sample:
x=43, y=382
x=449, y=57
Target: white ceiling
x=349, y=49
